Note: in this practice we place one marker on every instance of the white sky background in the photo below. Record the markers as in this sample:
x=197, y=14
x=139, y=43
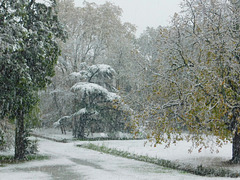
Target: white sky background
x=144, y=13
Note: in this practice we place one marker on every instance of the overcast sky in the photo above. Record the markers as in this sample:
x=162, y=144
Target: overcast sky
x=144, y=13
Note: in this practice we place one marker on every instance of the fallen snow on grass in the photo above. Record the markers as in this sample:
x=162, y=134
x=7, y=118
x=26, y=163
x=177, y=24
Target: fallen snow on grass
x=176, y=153
x=70, y=162
x=54, y=133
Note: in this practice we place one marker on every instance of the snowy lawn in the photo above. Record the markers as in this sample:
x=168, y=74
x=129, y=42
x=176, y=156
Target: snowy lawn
x=176, y=153
x=70, y=162
x=55, y=133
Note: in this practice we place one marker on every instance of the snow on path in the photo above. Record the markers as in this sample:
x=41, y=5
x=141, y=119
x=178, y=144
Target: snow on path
x=70, y=162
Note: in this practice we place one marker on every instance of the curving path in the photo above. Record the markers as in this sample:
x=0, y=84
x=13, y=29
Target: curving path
x=68, y=162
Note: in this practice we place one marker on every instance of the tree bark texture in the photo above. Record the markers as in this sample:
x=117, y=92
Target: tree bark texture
x=20, y=138
x=236, y=137
x=236, y=148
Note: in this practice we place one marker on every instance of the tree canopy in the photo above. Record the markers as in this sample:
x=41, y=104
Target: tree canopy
x=96, y=105
x=196, y=82
x=28, y=53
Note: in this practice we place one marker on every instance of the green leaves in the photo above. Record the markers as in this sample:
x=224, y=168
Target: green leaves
x=28, y=54
x=198, y=76
x=29, y=48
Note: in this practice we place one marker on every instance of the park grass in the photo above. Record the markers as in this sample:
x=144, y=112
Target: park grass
x=199, y=170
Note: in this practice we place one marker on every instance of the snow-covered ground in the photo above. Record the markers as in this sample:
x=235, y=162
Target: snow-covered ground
x=70, y=162
x=55, y=133
x=177, y=153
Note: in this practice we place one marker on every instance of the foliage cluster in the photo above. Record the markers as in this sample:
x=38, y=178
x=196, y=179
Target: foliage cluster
x=96, y=37
x=95, y=108
x=194, y=84
x=28, y=53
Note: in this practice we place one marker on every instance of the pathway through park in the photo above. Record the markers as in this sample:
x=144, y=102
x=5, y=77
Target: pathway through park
x=68, y=162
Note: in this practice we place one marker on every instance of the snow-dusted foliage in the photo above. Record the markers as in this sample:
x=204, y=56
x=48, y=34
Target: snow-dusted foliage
x=94, y=106
x=63, y=122
x=96, y=103
x=55, y=104
x=101, y=74
x=80, y=112
x=28, y=52
x=93, y=32
x=79, y=76
x=103, y=70
x=195, y=82
x=89, y=89
x=96, y=37
x=6, y=135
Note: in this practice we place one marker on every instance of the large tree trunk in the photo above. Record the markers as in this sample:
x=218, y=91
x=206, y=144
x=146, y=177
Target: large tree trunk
x=20, y=138
x=236, y=148
x=236, y=137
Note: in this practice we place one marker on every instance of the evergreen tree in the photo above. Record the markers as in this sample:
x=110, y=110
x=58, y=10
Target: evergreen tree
x=28, y=53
